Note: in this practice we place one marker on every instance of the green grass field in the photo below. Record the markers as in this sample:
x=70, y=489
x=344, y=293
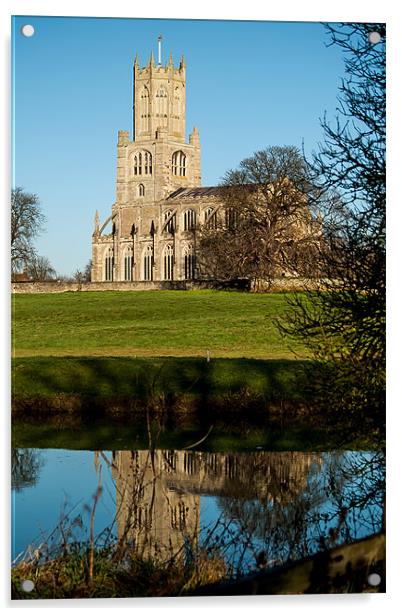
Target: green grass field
x=136, y=343
x=111, y=354
x=151, y=323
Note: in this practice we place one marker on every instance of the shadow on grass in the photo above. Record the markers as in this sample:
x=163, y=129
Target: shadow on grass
x=142, y=378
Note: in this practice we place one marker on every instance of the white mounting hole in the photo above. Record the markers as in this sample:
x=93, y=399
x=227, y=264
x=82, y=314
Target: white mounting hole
x=374, y=37
x=374, y=579
x=27, y=30
x=27, y=585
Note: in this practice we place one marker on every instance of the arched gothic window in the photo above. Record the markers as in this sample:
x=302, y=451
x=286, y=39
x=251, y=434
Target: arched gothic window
x=148, y=261
x=176, y=110
x=128, y=263
x=179, y=163
x=144, y=110
x=189, y=220
x=141, y=190
x=189, y=263
x=231, y=218
x=161, y=106
x=142, y=163
x=109, y=262
x=168, y=263
x=210, y=218
x=171, y=225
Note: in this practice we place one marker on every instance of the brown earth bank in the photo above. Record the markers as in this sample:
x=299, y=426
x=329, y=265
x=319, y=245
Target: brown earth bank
x=236, y=408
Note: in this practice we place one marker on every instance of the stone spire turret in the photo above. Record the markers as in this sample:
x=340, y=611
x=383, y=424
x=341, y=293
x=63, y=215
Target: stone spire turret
x=96, y=222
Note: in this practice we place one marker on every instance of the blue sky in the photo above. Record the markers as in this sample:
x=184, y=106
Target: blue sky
x=250, y=85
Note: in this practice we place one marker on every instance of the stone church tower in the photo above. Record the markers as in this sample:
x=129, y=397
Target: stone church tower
x=159, y=203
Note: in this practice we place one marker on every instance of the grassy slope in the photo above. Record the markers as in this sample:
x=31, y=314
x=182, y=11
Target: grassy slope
x=150, y=323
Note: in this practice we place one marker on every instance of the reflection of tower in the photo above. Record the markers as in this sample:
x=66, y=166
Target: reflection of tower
x=158, y=520
x=158, y=493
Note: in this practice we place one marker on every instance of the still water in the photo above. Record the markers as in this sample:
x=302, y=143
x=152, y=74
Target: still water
x=250, y=508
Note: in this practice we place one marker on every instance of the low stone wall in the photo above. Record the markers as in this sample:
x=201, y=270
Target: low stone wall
x=181, y=285
x=284, y=284
x=277, y=285
x=64, y=287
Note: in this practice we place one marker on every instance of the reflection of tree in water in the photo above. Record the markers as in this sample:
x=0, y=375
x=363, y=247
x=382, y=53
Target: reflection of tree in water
x=274, y=506
x=336, y=502
x=25, y=467
x=361, y=502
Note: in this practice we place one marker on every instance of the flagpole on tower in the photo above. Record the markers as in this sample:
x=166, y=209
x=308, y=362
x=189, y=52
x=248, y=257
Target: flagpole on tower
x=160, y=50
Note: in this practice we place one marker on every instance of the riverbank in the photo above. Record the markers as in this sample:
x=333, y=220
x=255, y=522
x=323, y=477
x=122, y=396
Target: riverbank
x=70, y=392
x=92, y=396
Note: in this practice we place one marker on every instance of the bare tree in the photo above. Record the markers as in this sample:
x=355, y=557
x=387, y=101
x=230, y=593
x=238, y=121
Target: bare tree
x=78, y=276
x=26, y=223
x=265, y=227
x=83, y=276
x=39, y=269
x=87, y=271
x=25, y=467
x=344, y=321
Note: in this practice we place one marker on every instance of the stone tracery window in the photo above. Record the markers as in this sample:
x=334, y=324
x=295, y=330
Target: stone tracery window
x=189, y=263
x=231, y=218
x=148, y=261
x=210, y=218
x=189, y=220
x=109, y=263
x=128, y=263
x=171, y=226
x=179, y=163
x=142, y=163
x=168, y=263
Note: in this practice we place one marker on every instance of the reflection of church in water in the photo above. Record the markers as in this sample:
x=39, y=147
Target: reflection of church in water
x=158, y=493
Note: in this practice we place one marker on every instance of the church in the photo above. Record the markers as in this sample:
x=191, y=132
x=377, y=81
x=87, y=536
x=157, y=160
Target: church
x=151, y=232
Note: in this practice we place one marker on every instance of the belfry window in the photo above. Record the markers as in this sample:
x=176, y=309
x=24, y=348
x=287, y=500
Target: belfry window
x=161, y=106
x=144, y=110
x=179, y=163
x=109, y=262
x=143, y=163
x=176, y=110
x=168, y=263
x=189, y=220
